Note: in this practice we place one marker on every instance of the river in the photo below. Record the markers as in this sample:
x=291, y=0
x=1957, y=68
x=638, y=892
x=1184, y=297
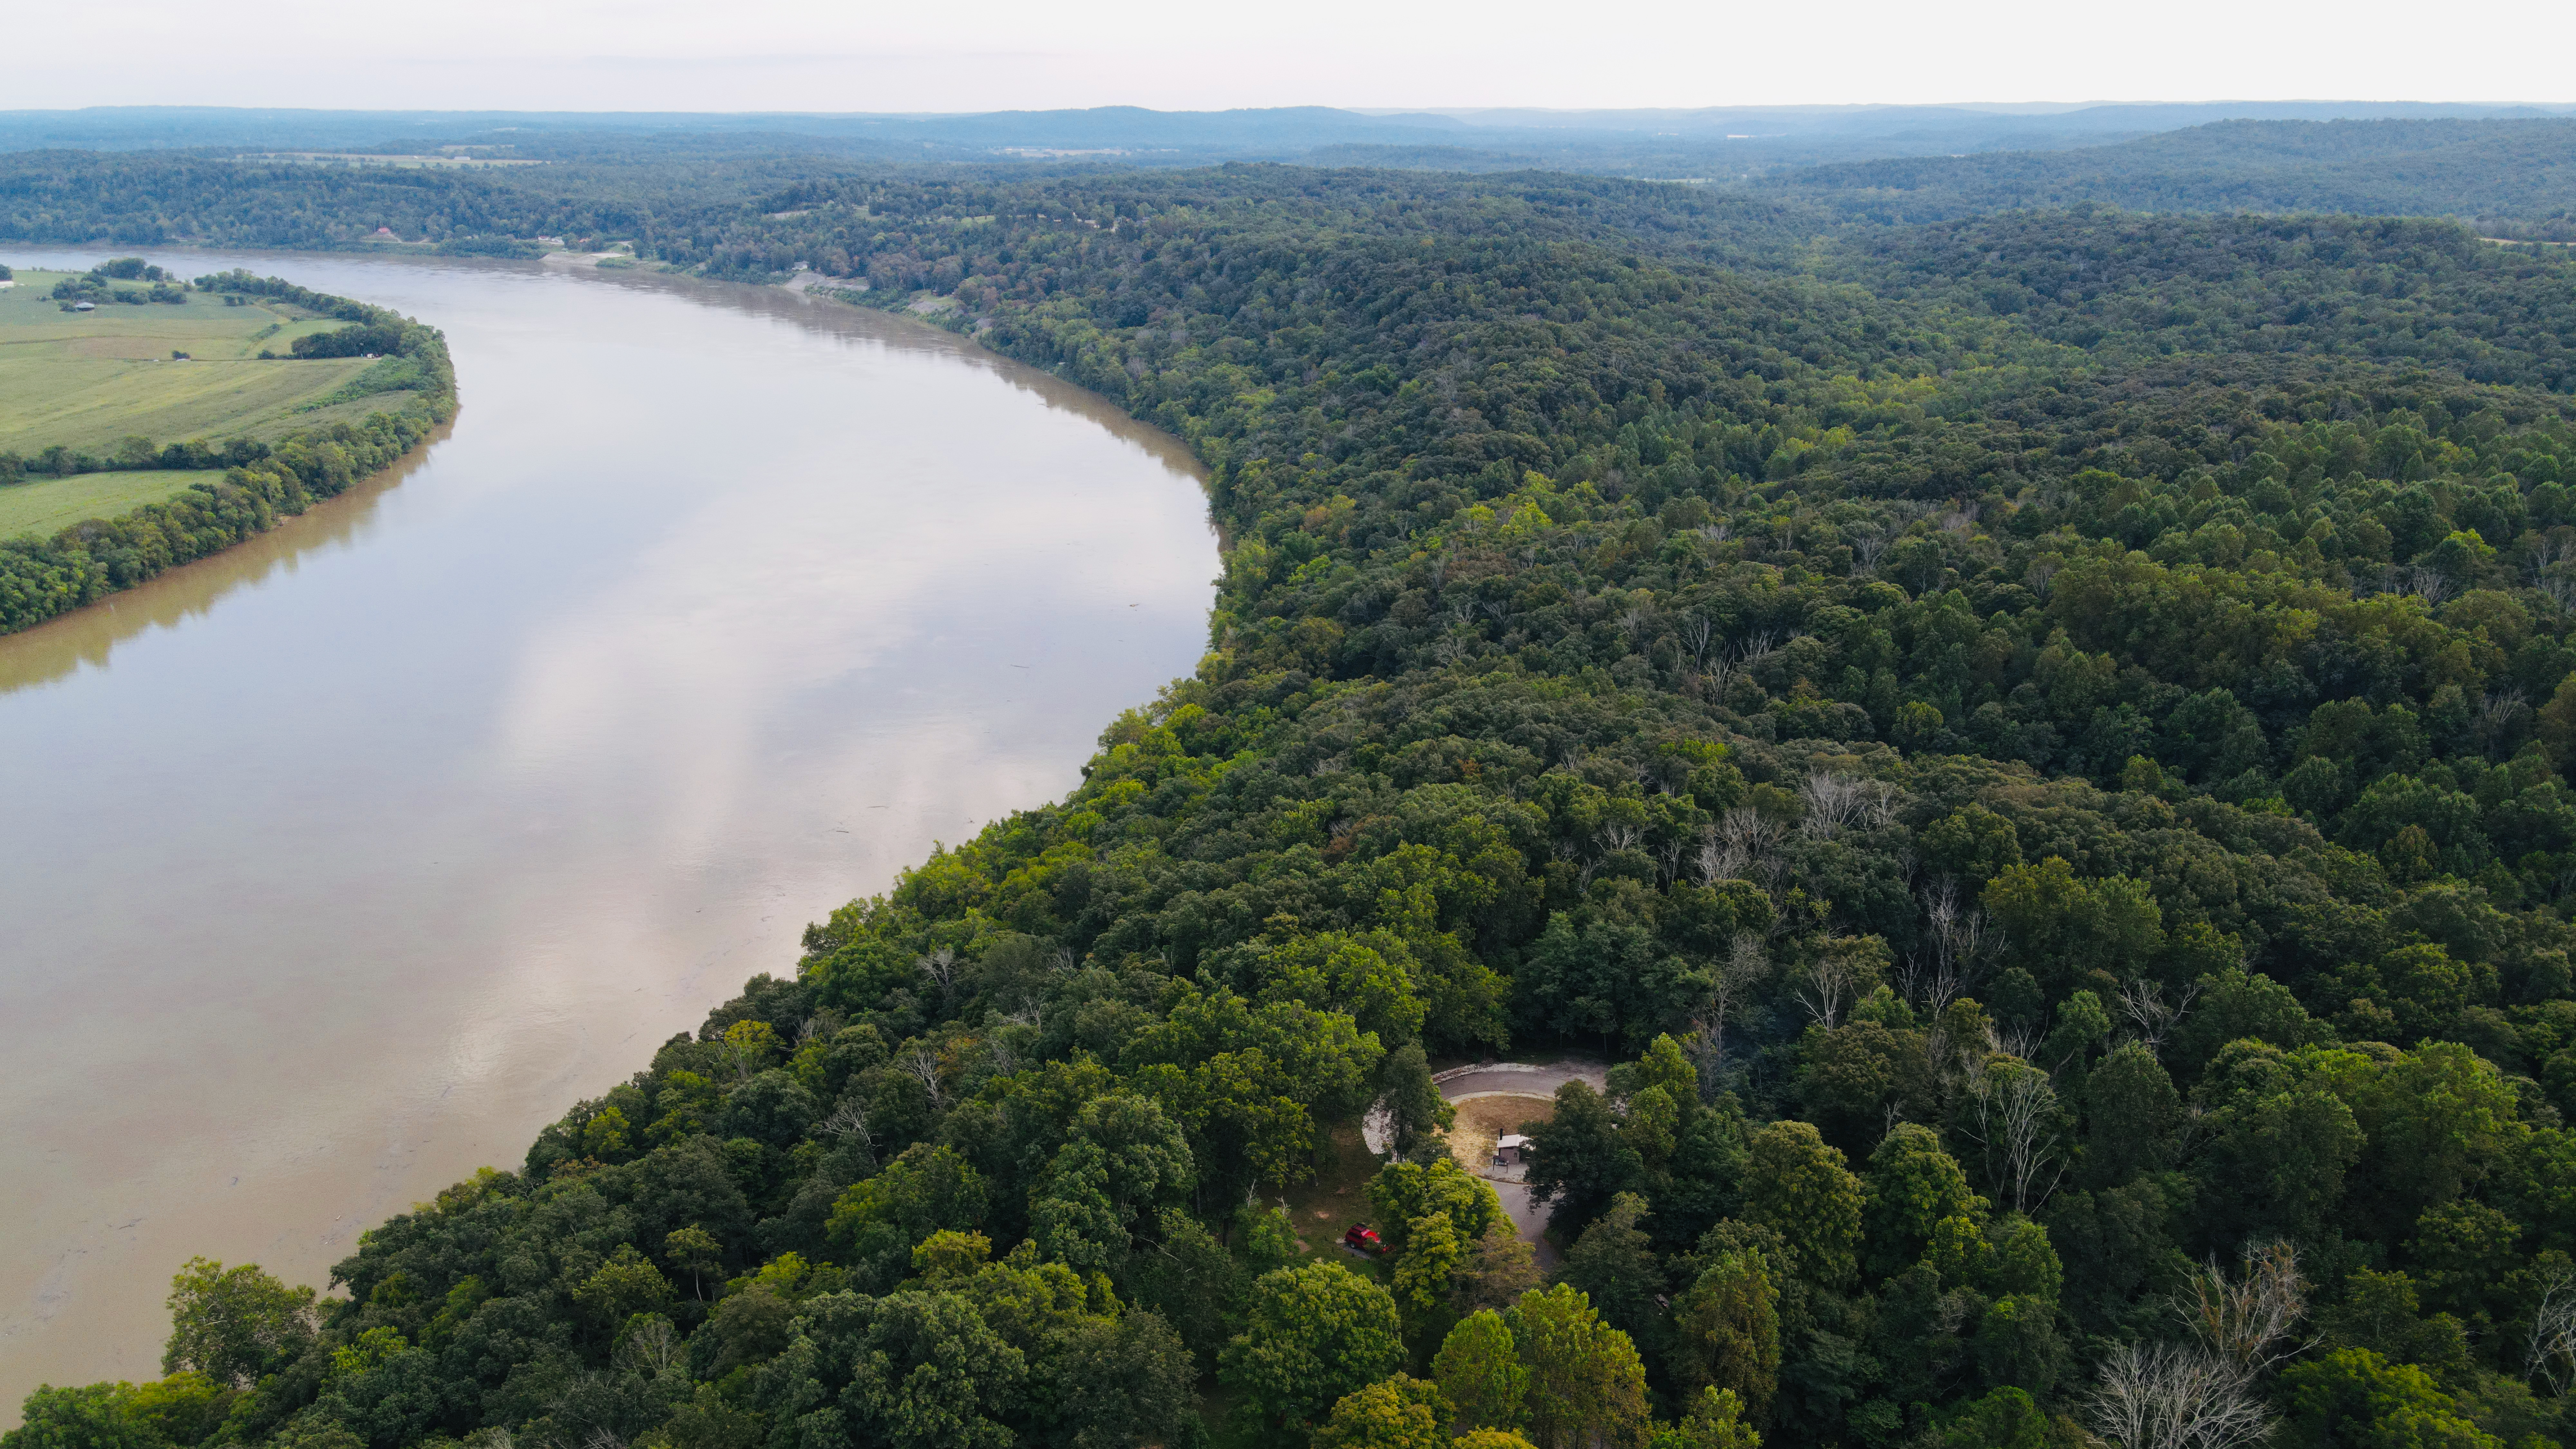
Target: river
x=335, y=866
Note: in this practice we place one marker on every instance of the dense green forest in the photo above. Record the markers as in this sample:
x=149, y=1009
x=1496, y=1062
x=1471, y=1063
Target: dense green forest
x=2036, y=746
x=44, y=577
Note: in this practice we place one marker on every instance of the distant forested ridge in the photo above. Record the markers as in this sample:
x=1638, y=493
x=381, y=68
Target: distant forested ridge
x=2037, y=747
x=2518, y=178
x=692, y=201
x=42, y=578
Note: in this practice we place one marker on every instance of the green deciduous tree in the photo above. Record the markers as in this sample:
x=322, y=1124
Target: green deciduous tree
x=1496, y=1271
x=1726, y=1330
x=1415, y=1109
x=1311, y=1335
x=625, y=1285
x=1431, y=1256
x=1911, y=1185
x=1715, y=1420
x=97, y=1416
x=1395, y=1413
x=2354, y=1399
x=2131, y=1112
x=186, y=1408
x=1403, y=1193
x=234, y=1324
x=1117, y=1383
x=1479, y=1368
x=1586, y=1384
x=1579, y=1157
x=913, y=1369
x=876, y=1222
x=1614, y=1266
x=1800, y=1189
x=694, y=1251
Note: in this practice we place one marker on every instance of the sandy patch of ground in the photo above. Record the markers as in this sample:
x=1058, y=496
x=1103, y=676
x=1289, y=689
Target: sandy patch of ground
x=1486, y=1116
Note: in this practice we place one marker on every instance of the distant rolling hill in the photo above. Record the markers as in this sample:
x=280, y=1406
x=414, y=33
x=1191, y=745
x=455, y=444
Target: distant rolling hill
x=2516, y=177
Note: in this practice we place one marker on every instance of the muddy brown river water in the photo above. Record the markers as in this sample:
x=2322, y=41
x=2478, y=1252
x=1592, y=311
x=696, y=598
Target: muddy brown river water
x=333, y=867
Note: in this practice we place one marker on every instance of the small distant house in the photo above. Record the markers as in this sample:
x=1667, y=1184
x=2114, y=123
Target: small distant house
x=84, y=306
x=550, y=241
x=387, y=233
x=1511, y=1149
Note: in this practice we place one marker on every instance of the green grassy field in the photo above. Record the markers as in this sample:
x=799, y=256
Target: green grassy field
x=44, y=506
x=87, y=379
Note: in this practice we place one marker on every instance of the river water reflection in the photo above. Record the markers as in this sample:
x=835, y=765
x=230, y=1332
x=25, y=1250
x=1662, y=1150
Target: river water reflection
x=335, y=866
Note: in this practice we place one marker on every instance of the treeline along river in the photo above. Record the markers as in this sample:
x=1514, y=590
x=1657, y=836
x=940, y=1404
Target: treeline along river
x=336, y=864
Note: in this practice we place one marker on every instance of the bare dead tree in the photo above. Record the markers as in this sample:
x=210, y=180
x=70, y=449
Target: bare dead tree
x=2429, y=584
x=2204, y=1395
x=1878, y=811
x=941, y=967
x=1737, y=841
x=1669, y=856
x=1697, y=633
x=2174, y=1396
x=2500, y=712
x=1744, y=653
x=1585, y=862
x=923, y=1064
x=2017, y=1122
x=1619, y=835
x=1867, y=550
x=2040, y=575
x=847, y=1120
x=1743, y=966
x=2012, y=1041
x=1828, y=986
x=1834, y=801
x=2559, y=590
x=2553, y=1333
x=1955, y=947
x=650, y=1348
x=2150, y=1015
x=2247, y=1319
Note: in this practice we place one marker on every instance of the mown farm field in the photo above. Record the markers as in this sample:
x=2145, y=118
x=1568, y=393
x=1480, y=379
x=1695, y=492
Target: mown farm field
x=87, y=380
x=42, y=505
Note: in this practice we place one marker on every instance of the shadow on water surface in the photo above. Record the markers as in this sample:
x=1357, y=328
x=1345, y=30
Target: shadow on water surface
x=57, y=647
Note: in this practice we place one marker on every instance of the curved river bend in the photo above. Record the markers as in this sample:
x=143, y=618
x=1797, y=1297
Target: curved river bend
x=336, y=865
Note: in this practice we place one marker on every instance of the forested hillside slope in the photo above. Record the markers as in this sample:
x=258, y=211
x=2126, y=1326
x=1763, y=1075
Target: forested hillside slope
x=2037, y=746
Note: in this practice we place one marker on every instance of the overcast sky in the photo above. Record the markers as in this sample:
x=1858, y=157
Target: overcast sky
x=832, y=55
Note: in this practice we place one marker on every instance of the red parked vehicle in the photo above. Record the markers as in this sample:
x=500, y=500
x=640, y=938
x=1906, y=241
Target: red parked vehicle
x=1361, y=1238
